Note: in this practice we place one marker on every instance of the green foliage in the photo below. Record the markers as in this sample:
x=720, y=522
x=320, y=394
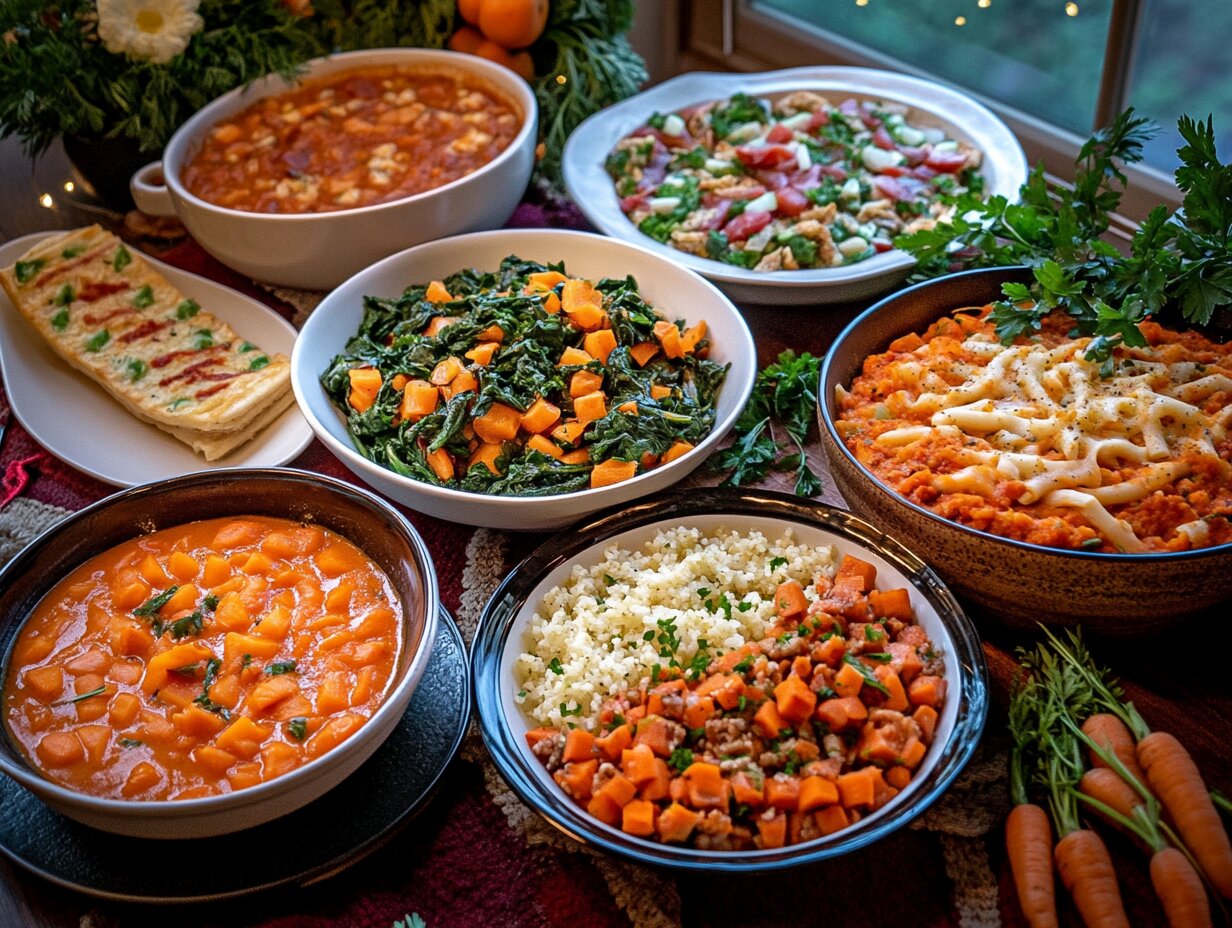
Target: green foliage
x=57, y=79
x=785, y=394
x=1178, y=263
x=346, y=26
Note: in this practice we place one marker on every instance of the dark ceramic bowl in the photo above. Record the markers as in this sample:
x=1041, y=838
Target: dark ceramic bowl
x=499, y=640
x=1019, y=583
x=378, y=529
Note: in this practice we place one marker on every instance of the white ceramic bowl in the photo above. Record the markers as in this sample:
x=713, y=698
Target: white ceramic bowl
x=317, y=251
x=1004, y=168
x=676, y=292
x=507, y=616
x=375, y=527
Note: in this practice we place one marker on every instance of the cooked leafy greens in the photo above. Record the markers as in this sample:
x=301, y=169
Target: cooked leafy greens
x=650, y=407
x=1179, y=262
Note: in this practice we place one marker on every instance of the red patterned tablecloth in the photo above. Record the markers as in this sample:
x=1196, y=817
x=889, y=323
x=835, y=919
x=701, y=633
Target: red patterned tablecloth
x=478, y=857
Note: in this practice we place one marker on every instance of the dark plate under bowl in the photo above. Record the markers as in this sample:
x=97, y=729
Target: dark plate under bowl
x=498, y=641
x=1019, y=583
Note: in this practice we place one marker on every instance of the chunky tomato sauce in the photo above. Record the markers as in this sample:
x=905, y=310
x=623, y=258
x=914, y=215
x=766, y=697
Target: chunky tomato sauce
x=202, y=659
x=353, y=139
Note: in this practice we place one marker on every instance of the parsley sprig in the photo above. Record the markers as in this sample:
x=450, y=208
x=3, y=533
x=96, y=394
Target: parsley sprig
x=1179, y=262
x=785, y=394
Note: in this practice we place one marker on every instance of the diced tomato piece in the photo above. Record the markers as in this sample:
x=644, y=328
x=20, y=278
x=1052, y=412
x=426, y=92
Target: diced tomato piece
x=807, y=178
x=765, y=156
x=834, y=171
x=746, y=224
x=947, y=162
x=895, y=170
x=779, y=134
x=897, y=188
x=882, y=139
x=791, y=201
x=629, y=204
x=879, y=246
x=818, y=119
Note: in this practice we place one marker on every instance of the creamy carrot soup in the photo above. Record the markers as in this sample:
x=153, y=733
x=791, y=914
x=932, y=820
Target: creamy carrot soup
x=356, y=138
x=202, y=659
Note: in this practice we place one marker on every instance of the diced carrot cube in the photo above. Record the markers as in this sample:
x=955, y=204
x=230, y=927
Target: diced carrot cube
x=419, y=399
x=577, y=778
x=782, y=792
x=613, y=744
x=142, y=778
x=655, y=733
x=606, y=473
x=540, y=417
x=768, y=720
x=637, y=763
x=706, y=787
x=891, y=604
x=816, y=792
x=580, y=456
x=660, y=786
x=572, y=357
x=465, y=382
x=445, y=371
x=130, y=595
x=213, y=759
x=439, y=324
x=676, y=823
x=848, y=681
x=669, y=337
x=897, y=698
x=182, y=566
x=542, y=281
x=486, y=454
x=619, y=789
x=482, y=353
x=690, y=338
x=926, y=690
x=185, y=598
x=217, y=571
x=579, y=745
x=830, y=819
x=643, y=352
x=912, y=753
x=122, y=710
x=600, y=344
x=436, y=293
x=747, y=790
x=590, y=407
x=43, y=683
x=898, y=777
x=500, y=423
x=926, y=718
x=795, y=700
x=270, y=691
x=857, y=788
x=854, y=567
x=605, y=809
x=544, y=446
x=789, y=600
x=365, y=385
x=638, y=818
x=60, y=749
x=569, y=433
x=695, y=715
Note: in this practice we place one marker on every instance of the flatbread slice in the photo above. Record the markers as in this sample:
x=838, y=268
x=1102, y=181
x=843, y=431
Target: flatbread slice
x=106, y=312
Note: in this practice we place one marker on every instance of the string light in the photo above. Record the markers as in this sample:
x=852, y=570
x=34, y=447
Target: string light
x=561, y=79
x=861, y=2
x=984, y=4
x=1071, y=9
x=69, y=186
x=960, y=20
x=47, y=201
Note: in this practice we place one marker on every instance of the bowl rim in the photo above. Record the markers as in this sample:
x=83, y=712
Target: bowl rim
x=581, y=172
x=203, y=806
x=509, y=84
x=353, y=459
x=825, y=397
x=499, y=612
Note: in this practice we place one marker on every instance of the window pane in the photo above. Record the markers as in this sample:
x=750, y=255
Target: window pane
x=1183, y=64
x=1043, y=57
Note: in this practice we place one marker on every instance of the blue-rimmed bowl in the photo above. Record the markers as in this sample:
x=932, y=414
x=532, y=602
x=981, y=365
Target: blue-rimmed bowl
x=507, y=615
x=1016, y=582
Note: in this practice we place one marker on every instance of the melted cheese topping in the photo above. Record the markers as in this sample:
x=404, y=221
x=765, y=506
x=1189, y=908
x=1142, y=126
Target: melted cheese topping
x=1039, y=417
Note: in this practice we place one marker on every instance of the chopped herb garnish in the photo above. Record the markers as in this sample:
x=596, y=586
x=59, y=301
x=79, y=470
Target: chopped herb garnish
x=97, y=691
x=280, y=667
x=246, y=662
x=189, y=625
x=873, y=633
x=247, y=347
x=648, y=636
x=777, y=562
x=793, y=763
x=97, y=341
x=609, y=579
x=144, y=297
x=1092, y=543
x=212, y=666
x=121, y=260
x=881, y=656
x=152, y=605
x=616, y=722
x=189, y=669
x=204, y=338
x=566, y=711
x=802, y=631
x=258, y=363
x=654, y=673
x=297, y=728
x=744, y=606
x=210, y=602
x=187, y=309
x=703, y=591
x=137, y=369
x=741, y=703
x=554, y=666
x=178, y=402
x=521, y=694
x=59, y=321
x=66, y=295
x=681, y=759
x=130, y=743
x=870, y=678
x=24, y=270
x=73, y=251
x=745, y=665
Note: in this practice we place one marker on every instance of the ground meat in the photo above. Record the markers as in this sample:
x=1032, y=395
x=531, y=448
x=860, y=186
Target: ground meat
x=727, y=736
x=549, y=750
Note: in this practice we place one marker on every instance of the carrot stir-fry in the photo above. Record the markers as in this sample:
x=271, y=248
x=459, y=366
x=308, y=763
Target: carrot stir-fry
x=780, y=741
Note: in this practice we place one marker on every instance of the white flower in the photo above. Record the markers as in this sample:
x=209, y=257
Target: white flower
x=151, y=30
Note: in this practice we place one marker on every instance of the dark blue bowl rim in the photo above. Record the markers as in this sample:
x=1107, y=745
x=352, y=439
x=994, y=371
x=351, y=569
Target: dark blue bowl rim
x=825, y=398
x=520, y=774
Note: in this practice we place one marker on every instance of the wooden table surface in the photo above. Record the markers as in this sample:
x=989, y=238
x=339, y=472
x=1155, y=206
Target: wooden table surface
x=1166, y=676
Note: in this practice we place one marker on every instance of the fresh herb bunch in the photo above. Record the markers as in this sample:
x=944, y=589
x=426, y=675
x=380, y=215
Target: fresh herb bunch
x=785, y=394
x=1178, y=262
x=57, y=79
x=585, y=63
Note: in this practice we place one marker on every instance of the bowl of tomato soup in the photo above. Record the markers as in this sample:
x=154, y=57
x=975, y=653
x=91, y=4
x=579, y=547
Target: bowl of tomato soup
x=201, y=655
x=303, y=183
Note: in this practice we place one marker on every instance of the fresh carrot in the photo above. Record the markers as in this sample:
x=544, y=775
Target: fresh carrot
x=1109, y=732
x=1086, y=871
x=1106, y=785
x=1175, y=779
x=1180, y=890
x=1028, y=841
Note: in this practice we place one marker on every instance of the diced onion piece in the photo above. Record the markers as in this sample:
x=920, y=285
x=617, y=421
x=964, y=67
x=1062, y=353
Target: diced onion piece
x=766, y=203
x=673, y=125
x=663, y=204
x=853, y=247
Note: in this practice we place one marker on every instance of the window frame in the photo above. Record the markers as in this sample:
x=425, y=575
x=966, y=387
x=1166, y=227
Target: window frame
x=736, y=35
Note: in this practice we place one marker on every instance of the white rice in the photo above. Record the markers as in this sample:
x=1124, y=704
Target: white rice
x=594, y=624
